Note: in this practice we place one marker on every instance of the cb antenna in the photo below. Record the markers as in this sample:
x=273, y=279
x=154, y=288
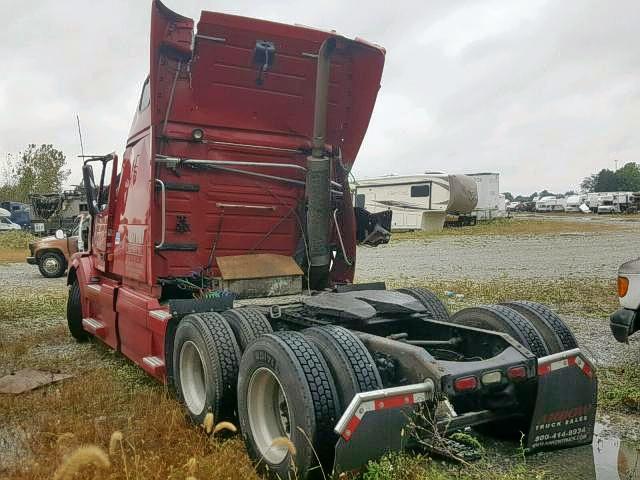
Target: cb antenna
x=80, y=135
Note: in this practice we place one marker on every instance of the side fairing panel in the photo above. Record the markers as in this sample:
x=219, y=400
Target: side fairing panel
x=133, y=248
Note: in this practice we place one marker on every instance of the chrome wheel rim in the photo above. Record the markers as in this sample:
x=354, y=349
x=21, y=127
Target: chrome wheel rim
x=51, y=265
x=269, y=414
x=193, y=374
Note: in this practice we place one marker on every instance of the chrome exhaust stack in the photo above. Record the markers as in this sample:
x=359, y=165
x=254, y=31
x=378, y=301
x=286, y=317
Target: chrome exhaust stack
x=318, y=181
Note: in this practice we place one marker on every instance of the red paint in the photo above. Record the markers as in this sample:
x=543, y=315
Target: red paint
x=394, y=402
x=216, y=91
x=517, y=373
x=465, y=383
x=351, y=428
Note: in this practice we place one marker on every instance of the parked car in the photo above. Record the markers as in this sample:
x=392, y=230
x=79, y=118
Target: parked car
x=626, y=320
x=19, y=213
x=51, y=254
x=5, y=221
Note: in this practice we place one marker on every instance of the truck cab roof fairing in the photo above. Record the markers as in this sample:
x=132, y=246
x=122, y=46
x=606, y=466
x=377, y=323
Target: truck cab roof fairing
x=218, y=86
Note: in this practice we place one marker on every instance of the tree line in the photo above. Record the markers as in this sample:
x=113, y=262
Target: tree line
x=38, y=169
x=625, y=179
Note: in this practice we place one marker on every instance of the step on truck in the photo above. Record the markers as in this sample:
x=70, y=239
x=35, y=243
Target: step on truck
x=221, y=258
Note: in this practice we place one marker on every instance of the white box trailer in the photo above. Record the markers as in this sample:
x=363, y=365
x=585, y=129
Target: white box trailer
x=418, y=202
x=490, y=203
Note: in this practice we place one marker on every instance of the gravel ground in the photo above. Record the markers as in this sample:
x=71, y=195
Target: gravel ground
x=23, y=275
x=488, y=257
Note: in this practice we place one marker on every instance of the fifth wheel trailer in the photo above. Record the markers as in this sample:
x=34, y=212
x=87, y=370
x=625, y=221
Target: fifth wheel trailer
x=417, y=202
x=234, y=183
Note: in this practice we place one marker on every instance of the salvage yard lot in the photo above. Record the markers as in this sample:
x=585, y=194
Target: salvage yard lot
x=565, y=263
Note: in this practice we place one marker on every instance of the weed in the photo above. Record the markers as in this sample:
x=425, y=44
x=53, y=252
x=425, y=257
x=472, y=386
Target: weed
x=620, y=388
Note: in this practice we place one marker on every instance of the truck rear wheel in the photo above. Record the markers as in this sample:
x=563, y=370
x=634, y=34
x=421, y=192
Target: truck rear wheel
x=74, y=313
x=205, y=366
x=435, y=307
x=247, y=325
x=52, y=264
x=499, y=318
x=350, y=363
x=287, y=404
x=555, y=332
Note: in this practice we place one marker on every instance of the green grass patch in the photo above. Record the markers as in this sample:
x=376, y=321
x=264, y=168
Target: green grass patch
x=516, y=226
x=587, y=297
x=26, y=304
x=619, y=388
x=400, y=466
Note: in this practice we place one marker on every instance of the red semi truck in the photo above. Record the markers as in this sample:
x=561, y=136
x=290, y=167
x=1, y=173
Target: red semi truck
x=222, y=253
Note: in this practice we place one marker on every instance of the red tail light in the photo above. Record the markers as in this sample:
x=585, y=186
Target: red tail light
x=517, y=373
x=465, y=383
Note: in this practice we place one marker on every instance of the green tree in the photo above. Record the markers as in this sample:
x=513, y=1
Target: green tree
x=629, y=177
x=508, y=196
x=626, y=178
x=38, y=170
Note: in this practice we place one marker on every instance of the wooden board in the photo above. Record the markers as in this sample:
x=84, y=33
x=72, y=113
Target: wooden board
x=262, y=265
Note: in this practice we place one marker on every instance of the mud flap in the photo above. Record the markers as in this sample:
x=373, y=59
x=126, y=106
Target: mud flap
x=376, y=423
x=565, y=410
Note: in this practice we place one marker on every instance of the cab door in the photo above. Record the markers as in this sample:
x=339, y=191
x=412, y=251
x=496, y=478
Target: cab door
x=100, y=292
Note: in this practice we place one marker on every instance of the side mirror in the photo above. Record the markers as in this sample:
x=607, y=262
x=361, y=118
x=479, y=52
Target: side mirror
x=60, y=234
x=90, y=189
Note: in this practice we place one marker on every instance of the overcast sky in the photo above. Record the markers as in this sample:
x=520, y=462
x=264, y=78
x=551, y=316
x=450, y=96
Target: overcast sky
x=543, y=92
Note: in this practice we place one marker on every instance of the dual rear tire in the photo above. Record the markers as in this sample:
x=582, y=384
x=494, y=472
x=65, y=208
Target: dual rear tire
x=531, y=324
x=290, y=388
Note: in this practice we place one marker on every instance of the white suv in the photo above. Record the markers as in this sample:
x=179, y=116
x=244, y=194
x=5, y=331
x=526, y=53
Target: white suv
x=6, y=224
x=626, y=320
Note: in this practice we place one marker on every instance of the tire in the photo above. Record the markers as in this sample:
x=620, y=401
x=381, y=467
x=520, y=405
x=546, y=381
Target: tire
x=74, y=313
x=499, y=318
x=555, y=332
x=350, y=363
x=430, y=301
x=285, y=389
x=52, y=265
x=205, y=366
x=247, y=325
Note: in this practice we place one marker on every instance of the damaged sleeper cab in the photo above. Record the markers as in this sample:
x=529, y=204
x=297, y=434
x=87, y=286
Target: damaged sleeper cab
x=222, y=252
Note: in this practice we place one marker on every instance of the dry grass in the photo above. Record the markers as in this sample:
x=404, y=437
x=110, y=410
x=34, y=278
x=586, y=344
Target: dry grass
x=14, y=246
x=13, y=255
x=587, y=297
x=157, y=440
x=109, y=394
x=519, y=226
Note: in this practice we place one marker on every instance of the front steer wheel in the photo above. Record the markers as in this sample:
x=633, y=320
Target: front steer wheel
x=74, y=313
x=205, y=366
x=52, y=265
x=287, y=406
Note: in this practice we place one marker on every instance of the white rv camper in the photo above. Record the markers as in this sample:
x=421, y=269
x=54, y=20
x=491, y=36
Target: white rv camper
x=490, y=203
x=550, y=204
x=418, y=202
x=574, y=202
x=593, y=200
